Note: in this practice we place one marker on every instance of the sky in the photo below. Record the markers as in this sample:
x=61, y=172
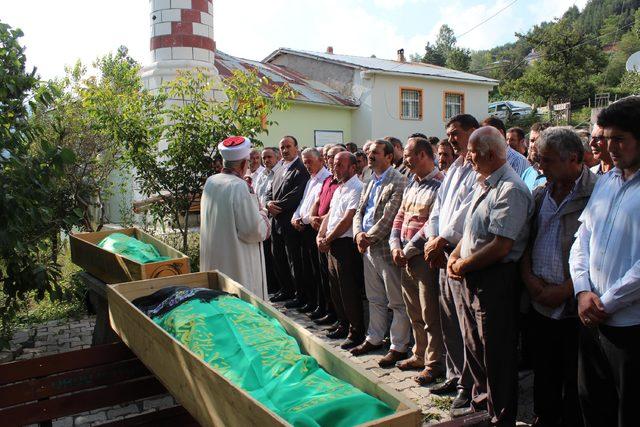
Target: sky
x=58, y=33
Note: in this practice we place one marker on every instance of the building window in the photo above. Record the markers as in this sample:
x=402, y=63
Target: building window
x=453, y=104
x=410, y=104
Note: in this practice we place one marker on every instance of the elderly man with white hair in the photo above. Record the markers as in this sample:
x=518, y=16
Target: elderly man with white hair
x=484, y=263
x=301, y=221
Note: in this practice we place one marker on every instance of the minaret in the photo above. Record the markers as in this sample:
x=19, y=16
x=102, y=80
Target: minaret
x=181, y=38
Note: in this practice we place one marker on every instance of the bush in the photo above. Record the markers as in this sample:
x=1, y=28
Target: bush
x=33, y=310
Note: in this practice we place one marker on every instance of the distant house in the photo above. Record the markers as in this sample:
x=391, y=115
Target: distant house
x=386, y=97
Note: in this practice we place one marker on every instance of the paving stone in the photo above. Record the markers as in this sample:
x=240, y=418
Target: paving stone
x=403, y=385
x=6, y=356
x=26, y=356
x=159, y=403
x=420, y=391
x=122, y=411
x=147, y=411
x=84, y=420
x=63, y=422
x=404, y=375
x=379, y=372
x=21, y=336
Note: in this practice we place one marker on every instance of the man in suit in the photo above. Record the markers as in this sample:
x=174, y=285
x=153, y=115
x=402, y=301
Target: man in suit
x=372, y=223
x=283, y=199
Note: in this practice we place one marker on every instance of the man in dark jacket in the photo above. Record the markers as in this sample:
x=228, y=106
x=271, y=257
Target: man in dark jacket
x=283, y=199
x=545, y=271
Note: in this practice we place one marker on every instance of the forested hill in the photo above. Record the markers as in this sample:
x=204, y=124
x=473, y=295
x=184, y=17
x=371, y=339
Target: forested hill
x=568, y=59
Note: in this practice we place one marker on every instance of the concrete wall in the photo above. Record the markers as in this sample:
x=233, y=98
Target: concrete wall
x=301, y=120
x=385, y=117
x=335, y=76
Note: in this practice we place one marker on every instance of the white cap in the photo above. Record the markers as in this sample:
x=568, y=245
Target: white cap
x=235, y=148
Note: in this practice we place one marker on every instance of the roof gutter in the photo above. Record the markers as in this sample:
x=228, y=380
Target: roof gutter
x=325, y=104
x=365, y=73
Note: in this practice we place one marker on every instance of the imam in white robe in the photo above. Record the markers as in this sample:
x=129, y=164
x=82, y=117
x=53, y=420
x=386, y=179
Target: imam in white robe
x=232, y=230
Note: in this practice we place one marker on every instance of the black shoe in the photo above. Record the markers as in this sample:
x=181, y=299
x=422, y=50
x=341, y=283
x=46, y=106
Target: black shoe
x=352, y=342
x=445, y=387
x=329, y=319
x=307, y=308
x=317, y=314
x=281, y=296
x=339, y=333
x=295, y=303
x=462, y=399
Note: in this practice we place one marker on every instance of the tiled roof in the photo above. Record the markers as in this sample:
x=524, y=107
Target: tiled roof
x=306, y=90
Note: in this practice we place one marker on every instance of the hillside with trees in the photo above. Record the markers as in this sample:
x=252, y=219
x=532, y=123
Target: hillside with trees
x=569, y=59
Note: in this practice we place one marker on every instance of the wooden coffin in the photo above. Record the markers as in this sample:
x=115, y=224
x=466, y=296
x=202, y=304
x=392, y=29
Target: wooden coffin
x=113, y=268
x=210, y=398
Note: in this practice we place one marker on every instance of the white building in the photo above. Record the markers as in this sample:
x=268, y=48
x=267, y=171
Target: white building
x=394, y=98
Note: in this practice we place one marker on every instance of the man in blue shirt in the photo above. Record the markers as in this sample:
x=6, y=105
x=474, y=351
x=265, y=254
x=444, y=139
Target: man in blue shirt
x=605, y=268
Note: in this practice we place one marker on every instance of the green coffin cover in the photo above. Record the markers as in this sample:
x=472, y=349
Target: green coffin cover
x=255, y=353
x=131, y=248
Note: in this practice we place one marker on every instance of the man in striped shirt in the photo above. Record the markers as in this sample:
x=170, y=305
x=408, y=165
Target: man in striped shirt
x=419, y=282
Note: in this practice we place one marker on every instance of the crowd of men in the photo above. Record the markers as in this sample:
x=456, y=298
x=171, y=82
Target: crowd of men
x=464, y=245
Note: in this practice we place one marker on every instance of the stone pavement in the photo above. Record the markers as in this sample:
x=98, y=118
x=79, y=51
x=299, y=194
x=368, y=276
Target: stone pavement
x=65, y=335
x=434, y=408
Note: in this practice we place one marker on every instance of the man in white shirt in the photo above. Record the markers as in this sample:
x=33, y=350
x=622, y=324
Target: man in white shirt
x=605, y=268
x=255, y=166
x=261, y=185
x=301, y=221
x=444, y=231
x=345, y=263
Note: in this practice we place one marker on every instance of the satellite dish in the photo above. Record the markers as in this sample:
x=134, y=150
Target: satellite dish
x=633, y=63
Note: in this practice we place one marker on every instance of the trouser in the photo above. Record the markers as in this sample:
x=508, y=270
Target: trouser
x=382, y=285
x=608, y=374
x=287, y=254
x=311, y=265
x=346, y=277
x=272, y=281
x=325, y=299
x=555, y=369
x=451, y=324
x=490, y=338
x=420, y=293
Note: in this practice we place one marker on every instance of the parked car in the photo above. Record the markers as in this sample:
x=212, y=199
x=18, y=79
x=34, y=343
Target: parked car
x=509, y=109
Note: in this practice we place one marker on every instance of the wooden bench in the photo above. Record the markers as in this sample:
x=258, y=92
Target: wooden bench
x=45, y=388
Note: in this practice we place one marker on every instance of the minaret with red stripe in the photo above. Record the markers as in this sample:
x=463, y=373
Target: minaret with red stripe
x=181, y=38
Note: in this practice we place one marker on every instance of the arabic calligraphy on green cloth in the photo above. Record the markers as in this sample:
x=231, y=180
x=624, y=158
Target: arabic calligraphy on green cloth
x=254, y=352
x=131, y=248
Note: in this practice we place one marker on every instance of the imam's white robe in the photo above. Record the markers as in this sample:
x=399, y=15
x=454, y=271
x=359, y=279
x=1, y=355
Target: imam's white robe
x=232, y=230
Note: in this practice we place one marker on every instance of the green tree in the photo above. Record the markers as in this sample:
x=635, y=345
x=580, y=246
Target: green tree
x=30, y=169
x=630, y=83
x=174, y=174
x=565, y=68
x=628, y=44
x=445, y=53
x=459, y=59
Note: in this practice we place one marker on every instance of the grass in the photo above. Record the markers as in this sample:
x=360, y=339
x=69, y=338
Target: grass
x=442, y=403
x=33, y=310
x=430, y=417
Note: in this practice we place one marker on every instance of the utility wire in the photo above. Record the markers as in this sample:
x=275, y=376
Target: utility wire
x=567, y=49
x=488, y=19
x=552, y=53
